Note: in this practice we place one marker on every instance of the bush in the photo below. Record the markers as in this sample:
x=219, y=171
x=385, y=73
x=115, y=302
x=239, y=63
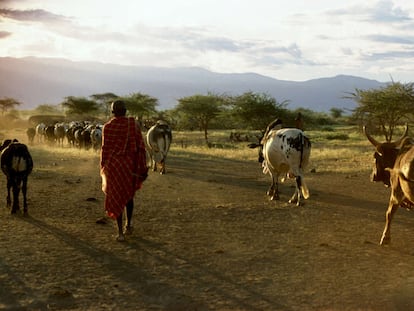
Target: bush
x=337, y=136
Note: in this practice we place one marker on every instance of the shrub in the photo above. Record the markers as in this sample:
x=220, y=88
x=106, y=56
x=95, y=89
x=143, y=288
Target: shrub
x=337, y=136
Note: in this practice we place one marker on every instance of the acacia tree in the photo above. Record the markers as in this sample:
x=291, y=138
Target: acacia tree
x=336, y=113
x=79, y=106
x=8, y=104
x=139, y=104
x=105, y=100
x=386, y=107
x=47, y=109
x=257, y=110
x=201, y=108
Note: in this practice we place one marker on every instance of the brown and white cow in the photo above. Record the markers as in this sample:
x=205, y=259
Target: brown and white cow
x=284, y=152
x=158, y=141
x=394, y=166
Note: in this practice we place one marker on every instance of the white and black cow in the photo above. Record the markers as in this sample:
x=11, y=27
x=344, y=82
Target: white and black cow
x=40, y=132
x=96, y=137
x=59, y=131
x=16, y=164
x=284, y=153
x=158, y=141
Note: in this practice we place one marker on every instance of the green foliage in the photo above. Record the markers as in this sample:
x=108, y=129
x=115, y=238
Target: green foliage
x=336, y=112
x=386, y=107
x=47, y=110
x=256, y=111
x=139, y=104
x=248, y=111
x=200, y=110
x=105, y=100
x=7, y=104
x=327, y=129
x=337, y=136
x=79, y=106
x=312, y=119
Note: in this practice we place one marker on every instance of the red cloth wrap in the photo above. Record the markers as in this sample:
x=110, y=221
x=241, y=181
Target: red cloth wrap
x=123, y=160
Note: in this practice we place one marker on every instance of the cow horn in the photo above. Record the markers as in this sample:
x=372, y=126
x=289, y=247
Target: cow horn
x=370, y=138
x=398, y=142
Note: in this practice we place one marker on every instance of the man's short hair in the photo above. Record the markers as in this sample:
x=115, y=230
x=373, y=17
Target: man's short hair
x=118, y=108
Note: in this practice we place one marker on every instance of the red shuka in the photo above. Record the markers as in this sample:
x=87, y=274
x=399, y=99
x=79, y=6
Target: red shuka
x=123, y=160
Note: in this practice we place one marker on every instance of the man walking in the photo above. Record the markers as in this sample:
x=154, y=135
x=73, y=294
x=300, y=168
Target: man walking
x=123, y=165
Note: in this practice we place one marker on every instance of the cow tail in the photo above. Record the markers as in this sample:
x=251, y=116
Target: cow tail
x=164, y=148
x=303, y=187
x=302, y=142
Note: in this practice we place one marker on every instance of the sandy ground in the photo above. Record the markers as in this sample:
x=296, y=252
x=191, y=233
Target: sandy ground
x=206, y=238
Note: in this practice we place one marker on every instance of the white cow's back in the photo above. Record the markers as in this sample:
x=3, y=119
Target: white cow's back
x=286, y=153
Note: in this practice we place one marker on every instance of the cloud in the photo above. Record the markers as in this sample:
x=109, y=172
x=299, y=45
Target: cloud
x=214, y=44
x=292, y=50
x=4, y=34
x=391, y=55
x=383, y=11
x=391, y=39
x=37, y=15
x=193, y=38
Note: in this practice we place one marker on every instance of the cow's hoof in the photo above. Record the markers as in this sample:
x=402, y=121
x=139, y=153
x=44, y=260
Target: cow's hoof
x=294, y=201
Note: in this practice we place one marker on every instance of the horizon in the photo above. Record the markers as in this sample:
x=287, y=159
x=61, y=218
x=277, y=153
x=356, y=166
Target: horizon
x=36, y=81
x=301, y=42
x=190, y=67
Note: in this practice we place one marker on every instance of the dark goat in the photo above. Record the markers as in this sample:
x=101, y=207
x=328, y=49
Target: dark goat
x=16, y=164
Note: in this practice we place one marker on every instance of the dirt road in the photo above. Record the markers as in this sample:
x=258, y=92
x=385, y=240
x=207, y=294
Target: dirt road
x=206, y=238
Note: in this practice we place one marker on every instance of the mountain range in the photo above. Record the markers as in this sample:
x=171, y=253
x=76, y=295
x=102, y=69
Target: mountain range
x=38, y=81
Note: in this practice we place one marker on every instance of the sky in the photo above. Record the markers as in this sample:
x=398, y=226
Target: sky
x=294, y=40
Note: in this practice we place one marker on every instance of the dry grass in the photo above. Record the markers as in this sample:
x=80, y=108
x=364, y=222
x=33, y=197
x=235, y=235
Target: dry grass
x=341, y=149
x=350, y=153
x=206, y=236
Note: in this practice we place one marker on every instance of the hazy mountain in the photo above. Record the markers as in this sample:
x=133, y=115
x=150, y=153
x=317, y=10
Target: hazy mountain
x=37, y=81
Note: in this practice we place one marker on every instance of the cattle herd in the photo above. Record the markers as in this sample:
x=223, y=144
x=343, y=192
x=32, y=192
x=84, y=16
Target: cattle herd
x=283, y=153
x=17, y=164
x=80, y=134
